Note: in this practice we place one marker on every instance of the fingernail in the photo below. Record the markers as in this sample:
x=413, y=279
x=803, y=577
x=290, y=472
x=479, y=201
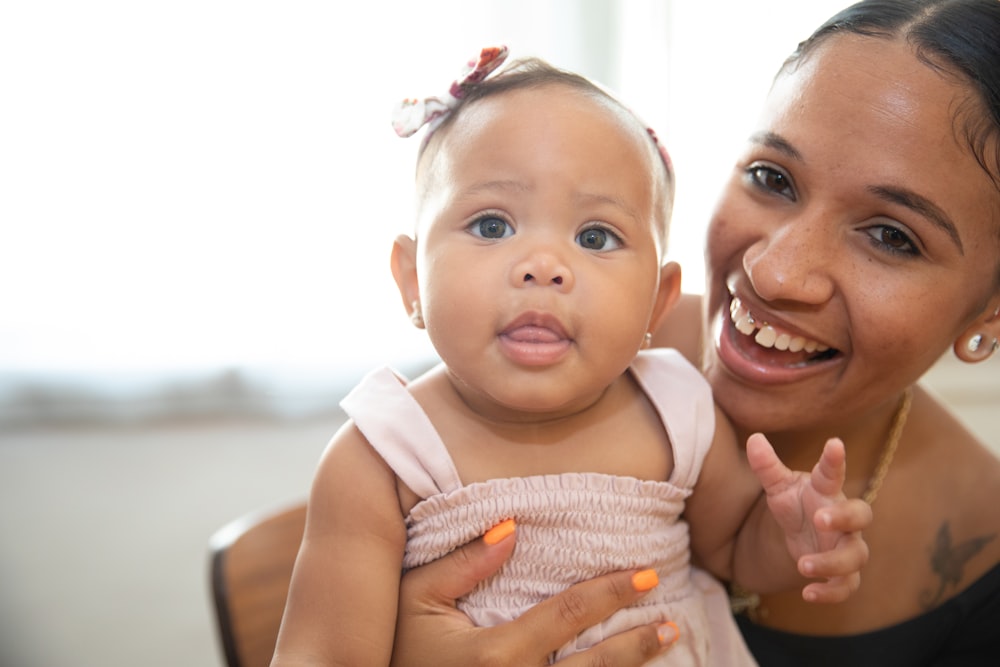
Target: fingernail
x=645, y=580
x=808, y=567
x=668, y=633
x=499, y=532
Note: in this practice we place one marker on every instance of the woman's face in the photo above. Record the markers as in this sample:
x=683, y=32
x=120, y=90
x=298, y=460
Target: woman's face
x=854, y=243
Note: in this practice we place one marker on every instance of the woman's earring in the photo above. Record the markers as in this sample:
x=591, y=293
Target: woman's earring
x=647, y=340
x=978, y=349
x=416, y=316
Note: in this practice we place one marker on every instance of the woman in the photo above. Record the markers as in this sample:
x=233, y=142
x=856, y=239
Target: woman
x=856, y=241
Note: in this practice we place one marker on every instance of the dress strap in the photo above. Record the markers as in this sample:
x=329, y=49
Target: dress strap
x=683, y=399
x=397, y=427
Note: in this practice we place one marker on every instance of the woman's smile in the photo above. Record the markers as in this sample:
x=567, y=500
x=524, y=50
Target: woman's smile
x=770, y=337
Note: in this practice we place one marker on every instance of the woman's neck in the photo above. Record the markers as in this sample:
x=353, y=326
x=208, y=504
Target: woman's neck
x=867, y=439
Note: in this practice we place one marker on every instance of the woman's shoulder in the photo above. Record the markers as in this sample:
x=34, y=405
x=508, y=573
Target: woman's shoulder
x=937, y=435
x=945, y=499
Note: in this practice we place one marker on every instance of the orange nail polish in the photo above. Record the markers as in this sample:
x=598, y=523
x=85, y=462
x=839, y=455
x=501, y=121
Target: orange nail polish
x=645, y=580
x=499, y=532
x=668, y=633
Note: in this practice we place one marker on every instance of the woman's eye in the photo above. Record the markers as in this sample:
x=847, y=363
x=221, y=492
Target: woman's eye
x=771, y=179
x=892, y=239
x=598, y=238
x=491, y=227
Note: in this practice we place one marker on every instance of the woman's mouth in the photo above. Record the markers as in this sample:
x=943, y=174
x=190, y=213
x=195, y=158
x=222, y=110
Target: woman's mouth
x=769, y=337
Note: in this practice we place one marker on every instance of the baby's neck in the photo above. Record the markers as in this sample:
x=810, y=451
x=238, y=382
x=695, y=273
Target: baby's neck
x=618, y=433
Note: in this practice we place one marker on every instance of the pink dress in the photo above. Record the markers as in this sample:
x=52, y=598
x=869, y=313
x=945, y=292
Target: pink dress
x=570, y=527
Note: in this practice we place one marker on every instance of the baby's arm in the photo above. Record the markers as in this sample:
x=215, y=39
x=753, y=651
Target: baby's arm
x=341, y=606
x=800, y=526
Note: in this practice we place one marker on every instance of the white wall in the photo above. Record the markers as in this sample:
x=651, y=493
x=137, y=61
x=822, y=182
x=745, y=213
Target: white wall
x=200, y=185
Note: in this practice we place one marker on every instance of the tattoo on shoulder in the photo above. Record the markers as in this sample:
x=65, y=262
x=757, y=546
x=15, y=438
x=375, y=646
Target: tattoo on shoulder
x=948, y=561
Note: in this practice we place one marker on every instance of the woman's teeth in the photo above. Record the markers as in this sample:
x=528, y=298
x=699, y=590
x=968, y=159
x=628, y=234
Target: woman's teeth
x=767, y=336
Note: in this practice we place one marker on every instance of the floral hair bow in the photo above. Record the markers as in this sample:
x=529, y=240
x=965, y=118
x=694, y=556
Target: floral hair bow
x=412, y=114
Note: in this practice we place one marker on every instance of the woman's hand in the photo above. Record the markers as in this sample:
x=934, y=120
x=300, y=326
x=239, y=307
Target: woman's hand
x=430, y=630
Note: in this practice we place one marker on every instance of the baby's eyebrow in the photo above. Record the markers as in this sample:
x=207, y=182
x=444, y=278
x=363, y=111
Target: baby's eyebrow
x=500, y=184
x=921, y=206
x=618, y=202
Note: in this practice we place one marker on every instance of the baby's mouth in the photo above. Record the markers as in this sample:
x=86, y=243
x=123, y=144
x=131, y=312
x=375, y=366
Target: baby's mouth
x=770, y=337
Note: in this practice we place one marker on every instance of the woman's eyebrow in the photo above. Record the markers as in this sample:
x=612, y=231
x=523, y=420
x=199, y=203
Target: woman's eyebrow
x=896, y=195
x=921, y=206
x=777, y=142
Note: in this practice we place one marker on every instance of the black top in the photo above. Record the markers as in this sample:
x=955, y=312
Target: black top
x=964, y=631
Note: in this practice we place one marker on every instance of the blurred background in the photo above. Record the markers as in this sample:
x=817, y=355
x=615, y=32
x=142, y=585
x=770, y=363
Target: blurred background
x=197, y=202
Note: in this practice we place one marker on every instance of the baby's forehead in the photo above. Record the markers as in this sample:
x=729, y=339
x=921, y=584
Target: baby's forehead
x=511, y=110
x=526, y=102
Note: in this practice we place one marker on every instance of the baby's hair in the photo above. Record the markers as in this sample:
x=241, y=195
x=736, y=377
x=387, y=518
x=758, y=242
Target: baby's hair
x=531, y=73
x=536, y=73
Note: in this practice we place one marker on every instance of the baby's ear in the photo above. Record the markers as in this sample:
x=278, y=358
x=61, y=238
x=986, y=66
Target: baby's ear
x=982, y=338
x=403, y=262
x=667, y=295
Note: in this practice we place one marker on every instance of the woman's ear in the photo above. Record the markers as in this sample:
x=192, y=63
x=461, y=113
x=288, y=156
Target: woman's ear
x=403, y=262
x=667, y=295
x=982, y=338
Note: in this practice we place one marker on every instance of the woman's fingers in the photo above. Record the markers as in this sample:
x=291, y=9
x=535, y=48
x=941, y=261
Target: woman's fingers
x=432, y=631
x=557, y=620
x=628, y=649
x=456, y=574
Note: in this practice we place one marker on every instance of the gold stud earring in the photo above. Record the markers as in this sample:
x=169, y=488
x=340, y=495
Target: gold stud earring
x=416, y=316
x=647, y=340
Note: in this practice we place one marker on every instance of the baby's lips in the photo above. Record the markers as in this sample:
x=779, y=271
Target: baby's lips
x=533, y=334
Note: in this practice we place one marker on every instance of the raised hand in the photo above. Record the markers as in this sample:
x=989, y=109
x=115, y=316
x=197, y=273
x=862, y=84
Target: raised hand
x=822, y=526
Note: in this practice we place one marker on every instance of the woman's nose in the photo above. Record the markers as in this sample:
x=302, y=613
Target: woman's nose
x=542, y=267
x=790, y=264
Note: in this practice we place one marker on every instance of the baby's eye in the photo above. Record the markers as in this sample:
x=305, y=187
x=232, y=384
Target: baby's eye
x=598, y=238
x=490, y=227
x=771, y=179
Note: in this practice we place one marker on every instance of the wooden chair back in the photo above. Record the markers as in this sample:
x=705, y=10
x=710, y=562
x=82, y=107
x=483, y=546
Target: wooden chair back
x=251, y=567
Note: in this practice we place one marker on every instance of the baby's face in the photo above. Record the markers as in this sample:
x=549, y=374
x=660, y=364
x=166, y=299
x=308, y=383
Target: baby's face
x=538, y=248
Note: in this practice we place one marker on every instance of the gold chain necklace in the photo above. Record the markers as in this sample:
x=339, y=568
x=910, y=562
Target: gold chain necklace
x=742, y=600
x=898, y=422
